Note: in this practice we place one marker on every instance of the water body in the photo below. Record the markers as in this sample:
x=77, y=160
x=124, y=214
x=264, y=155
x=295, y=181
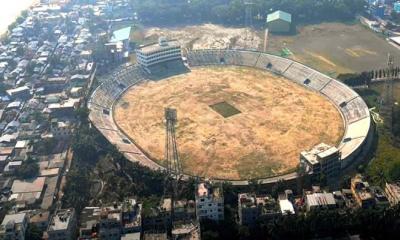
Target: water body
x=10, y=10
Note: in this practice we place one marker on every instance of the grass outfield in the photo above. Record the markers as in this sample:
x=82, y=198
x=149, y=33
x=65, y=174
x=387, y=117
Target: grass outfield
x=336, y=48
x=233, y=122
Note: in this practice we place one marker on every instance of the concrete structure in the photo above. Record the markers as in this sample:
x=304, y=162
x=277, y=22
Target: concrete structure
x=28, y=192
x=209, y=202
x=320, y=200
x=362, y=192
x=62, y=225
x=322, y=159
x=279, y=22
x=356, y=117
x=252, y=207
x=286, y=207
x=19, y=93
x=111, y=222
x=14, y=226
x=155, y=53
x=392, y=191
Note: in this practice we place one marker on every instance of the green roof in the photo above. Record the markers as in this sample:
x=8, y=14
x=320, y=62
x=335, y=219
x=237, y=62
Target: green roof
x=279, y=15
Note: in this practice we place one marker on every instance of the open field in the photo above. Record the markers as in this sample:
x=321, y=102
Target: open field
x=204, y=36
x=269, y=121
x=332, y=48
x=336, y=48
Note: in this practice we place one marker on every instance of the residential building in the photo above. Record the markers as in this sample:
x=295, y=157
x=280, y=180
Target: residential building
x=163, y=51
x=322, y=159
x=209, y=202
x=392, y=191
x=111, y=222
x=14, y=226
x=252, y=207
x=28, y=192
x=279, y=22
x=62, y=225
x=362, y=192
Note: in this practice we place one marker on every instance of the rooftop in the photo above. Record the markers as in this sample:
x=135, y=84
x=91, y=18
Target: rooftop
x=279, y=15
x=286, y=207
x=121, y=34
x=61, y=220
x=158, y=46
x=29, y=185
x=205, y=189
x=320, y=199
x=320, y=151
x=16, y=218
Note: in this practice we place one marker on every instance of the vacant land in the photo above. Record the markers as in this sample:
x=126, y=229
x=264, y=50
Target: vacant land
x=275, y=120
x=205, y=36
x=336, y=48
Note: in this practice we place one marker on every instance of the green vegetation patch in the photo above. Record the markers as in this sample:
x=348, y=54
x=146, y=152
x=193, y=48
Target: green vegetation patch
x=225, y=109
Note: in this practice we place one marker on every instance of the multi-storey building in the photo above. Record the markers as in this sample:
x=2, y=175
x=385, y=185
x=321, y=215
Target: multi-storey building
x=209, y=202
x=322, y=159
x=362, y=192
x=14, y=226
x=252, y=207
x=62, y=225
x=163, y=51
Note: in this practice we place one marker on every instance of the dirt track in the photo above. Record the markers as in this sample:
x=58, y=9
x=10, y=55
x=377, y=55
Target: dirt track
x=278, y=119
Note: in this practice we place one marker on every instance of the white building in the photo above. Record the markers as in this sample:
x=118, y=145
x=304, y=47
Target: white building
x=14, y=226
x=322, y=159
x=286, y=207
x=163, y=51
x=62, y=225
x=209, y=202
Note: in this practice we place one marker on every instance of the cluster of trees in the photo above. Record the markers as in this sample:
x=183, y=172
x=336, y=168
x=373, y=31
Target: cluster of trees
x=128, y=179
x=29, y=169
x=232, y=12
x=356, y=79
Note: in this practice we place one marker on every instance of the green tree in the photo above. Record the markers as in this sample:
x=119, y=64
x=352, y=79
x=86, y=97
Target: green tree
x=28, y=169
x=33, y=232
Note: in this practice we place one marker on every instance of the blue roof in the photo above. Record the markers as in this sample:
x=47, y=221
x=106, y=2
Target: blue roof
x=279, y=15
x=121, y=34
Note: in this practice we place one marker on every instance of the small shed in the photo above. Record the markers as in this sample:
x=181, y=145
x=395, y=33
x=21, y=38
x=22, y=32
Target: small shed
x=279, y=22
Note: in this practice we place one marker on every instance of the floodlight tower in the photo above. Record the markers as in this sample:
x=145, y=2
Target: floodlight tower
x=174, y=167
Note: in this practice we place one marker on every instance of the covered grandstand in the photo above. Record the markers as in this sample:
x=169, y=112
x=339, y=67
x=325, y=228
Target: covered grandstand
x=353, y=109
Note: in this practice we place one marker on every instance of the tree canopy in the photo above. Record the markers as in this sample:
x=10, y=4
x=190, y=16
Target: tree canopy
x=232, y=12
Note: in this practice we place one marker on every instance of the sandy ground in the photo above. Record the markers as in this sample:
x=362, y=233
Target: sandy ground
x=208, y=36
x=278, y=120
x=10, y=10
x=336, y=48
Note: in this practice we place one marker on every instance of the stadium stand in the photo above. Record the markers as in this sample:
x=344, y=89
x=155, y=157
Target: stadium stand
x=298, y=73
x=338, y=92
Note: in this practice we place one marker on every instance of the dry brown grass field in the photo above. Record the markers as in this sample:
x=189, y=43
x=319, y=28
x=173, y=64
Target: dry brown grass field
x=268, y=121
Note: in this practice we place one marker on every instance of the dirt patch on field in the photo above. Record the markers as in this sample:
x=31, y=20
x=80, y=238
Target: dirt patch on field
x=208, y=36
x=277, y=120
